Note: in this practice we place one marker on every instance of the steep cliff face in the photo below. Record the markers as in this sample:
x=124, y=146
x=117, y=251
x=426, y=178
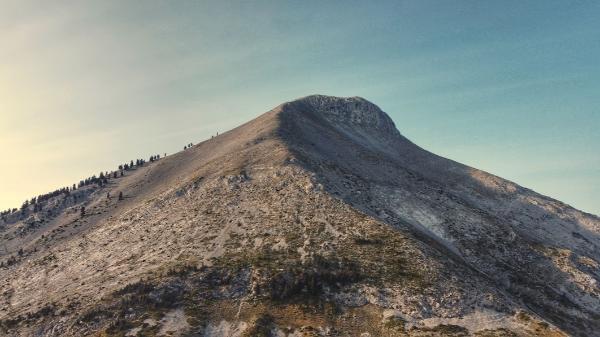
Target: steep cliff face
x=317, y=218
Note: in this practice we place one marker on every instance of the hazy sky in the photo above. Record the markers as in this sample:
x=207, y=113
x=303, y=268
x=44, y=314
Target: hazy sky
x=509, y=87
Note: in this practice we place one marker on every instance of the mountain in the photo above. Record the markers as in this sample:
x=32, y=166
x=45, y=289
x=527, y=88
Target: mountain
x=318, y=218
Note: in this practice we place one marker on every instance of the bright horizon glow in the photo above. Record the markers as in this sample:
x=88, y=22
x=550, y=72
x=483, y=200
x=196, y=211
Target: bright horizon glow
x=507, y=87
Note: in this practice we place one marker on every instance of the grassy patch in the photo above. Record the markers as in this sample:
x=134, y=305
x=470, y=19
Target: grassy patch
x=394, y=323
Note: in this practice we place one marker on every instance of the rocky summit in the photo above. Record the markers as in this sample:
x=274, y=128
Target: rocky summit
x=318, y=218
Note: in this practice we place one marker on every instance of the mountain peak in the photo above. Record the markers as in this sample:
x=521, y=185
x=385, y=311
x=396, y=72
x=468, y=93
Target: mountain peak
x=346, y=112
x=319, y=201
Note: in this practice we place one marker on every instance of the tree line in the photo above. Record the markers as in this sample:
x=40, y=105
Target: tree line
x=99, y=180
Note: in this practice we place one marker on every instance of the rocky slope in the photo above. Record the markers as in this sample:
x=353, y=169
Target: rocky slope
x=317, y=218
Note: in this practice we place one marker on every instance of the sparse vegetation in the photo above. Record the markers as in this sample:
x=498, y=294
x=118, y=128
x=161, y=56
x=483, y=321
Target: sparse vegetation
x=394, y=323
x=442, y=330
x=501, y=332
x=36, y=204
x=260, y=327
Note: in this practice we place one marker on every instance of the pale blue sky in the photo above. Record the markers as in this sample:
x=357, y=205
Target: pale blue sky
x=510, y=87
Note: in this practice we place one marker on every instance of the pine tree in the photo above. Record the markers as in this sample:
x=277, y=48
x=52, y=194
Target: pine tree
x=120, y=195
x=82, y=211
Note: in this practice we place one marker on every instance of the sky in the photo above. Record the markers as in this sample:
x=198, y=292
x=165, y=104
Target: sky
x=510, y=87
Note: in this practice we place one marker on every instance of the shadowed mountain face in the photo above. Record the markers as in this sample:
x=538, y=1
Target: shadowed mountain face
x=317, y=218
